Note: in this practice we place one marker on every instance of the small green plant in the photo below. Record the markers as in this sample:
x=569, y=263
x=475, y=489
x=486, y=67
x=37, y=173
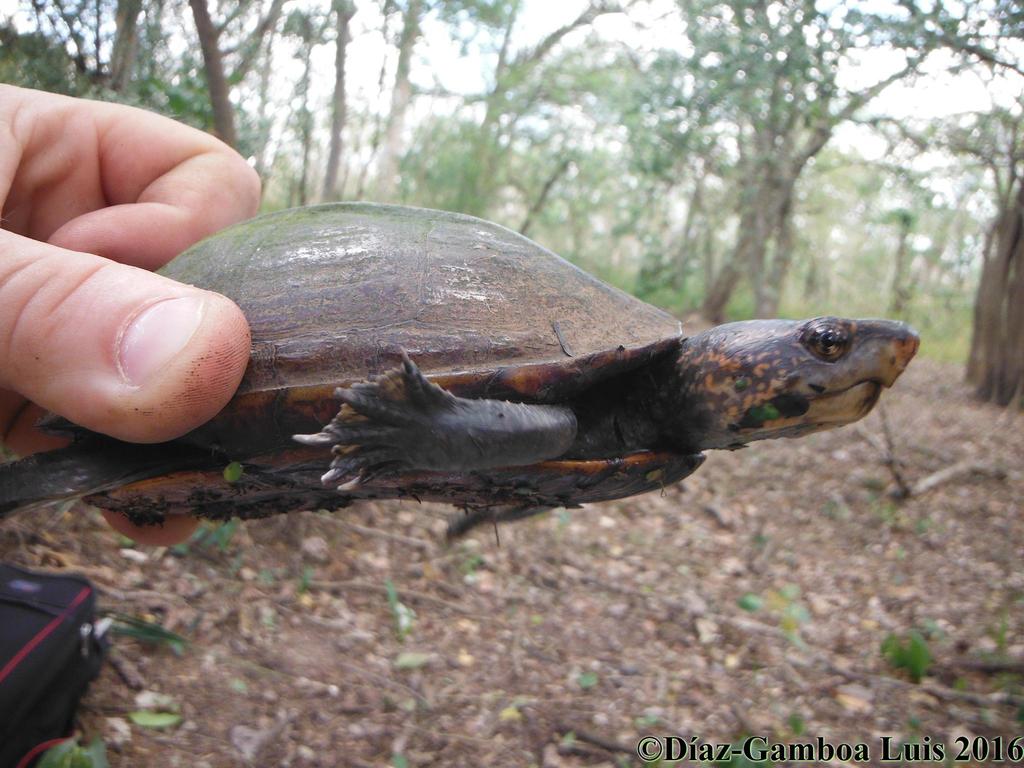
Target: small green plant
x=750, y=602
x=785, y=604
x=646, y=720
x=739, y=760
x=209, y=536
x=403, y=615
x=835, y=509
x=470, y=564
x=586, y=680
x=69, y=754
x=1000, y=633
x=148, y=632
x=886, y=511
x=909, y=653
x=796, y=724
x=306, y=579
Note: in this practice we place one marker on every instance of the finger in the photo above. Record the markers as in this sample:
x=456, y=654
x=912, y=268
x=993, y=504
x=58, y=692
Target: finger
x=174, y=529
x=196, y=199
x=73, y=170
x=113, y=348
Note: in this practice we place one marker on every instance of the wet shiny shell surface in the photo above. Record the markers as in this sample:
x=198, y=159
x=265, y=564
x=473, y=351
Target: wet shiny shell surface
x=333, y=292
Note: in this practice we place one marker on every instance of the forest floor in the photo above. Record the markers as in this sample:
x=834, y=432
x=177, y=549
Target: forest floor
x=753, y=599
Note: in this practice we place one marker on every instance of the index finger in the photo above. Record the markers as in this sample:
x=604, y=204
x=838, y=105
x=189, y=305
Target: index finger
x=114, y=180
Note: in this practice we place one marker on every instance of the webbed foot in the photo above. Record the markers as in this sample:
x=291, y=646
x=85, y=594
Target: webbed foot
x=400, y=421
x=371, y=433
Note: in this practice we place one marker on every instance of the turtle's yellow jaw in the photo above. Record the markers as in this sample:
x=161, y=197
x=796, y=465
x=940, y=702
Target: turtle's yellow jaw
x=764, y=379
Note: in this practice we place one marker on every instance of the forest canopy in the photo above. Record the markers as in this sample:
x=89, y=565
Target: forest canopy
x=726, y=159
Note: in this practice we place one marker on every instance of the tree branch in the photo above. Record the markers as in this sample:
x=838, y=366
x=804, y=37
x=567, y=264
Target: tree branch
x=251, y=49
x=544, y=47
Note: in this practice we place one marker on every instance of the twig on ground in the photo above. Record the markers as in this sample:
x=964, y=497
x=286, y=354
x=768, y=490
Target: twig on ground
x=714, y=511
x=126, y=670
x=949, y=474
x=592, y=738
x=379, y=533
x=988, y=666
x=902, y=489
x=816, y=656
x=403, y=593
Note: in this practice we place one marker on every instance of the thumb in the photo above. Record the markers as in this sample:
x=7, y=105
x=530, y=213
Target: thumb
x=114, y=348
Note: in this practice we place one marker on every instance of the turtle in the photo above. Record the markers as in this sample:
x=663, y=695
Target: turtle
x=402, y=352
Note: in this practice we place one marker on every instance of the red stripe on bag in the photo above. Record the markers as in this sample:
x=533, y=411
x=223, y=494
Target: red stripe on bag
x=41, y=634
x=38, y=749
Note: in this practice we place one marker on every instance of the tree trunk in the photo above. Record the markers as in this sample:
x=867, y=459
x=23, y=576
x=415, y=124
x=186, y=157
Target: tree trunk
x=264, y=121
x=900, y=294
x=343, y=11
x=773, y=280
x=997, y=368
x=982, y=306
x=401, y=96
x=213, y=66
x=683, y=260
x=720, y=291
x=122, y=56
x=371, y=156
x=305, y=120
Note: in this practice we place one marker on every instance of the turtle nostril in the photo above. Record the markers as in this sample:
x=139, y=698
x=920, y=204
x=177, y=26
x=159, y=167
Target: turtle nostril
x=906, y=347
x=817, y=388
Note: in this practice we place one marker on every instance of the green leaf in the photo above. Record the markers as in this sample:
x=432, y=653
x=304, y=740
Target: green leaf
x=412, y=660
x=59, y=755
x=233, y=472
x=306, y=579
x=97, y=753
x=796, y=724
x=147, y=632
x=403, y=615
x=148, y=719
x=909, y=653
x=586, y=680
x=750, y=602
x=68, y=754
x=399, y=761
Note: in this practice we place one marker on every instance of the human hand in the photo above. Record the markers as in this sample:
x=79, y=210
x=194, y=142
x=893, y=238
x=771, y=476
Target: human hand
x=93, y=196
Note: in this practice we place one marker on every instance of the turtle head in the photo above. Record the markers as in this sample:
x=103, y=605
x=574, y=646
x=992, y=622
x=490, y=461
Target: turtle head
x=763, y=379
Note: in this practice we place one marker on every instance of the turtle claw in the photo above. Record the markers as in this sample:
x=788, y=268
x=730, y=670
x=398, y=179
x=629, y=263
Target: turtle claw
x=401, y=421
x=352, y=484
x=359, y=463
x=332, y=475
x=368, y=434
x=320, y=438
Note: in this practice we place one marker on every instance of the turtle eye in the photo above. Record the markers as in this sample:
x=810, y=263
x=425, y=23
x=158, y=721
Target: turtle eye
x=826, y=341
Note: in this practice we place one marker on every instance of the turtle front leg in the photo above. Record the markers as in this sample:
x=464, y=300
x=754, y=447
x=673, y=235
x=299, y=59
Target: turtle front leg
x=400, y=421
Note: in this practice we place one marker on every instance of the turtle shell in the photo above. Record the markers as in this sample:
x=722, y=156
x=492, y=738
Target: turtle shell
x=333, y=293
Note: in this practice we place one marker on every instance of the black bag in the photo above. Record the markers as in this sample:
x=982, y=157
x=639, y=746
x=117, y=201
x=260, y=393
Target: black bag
x=49, y=652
